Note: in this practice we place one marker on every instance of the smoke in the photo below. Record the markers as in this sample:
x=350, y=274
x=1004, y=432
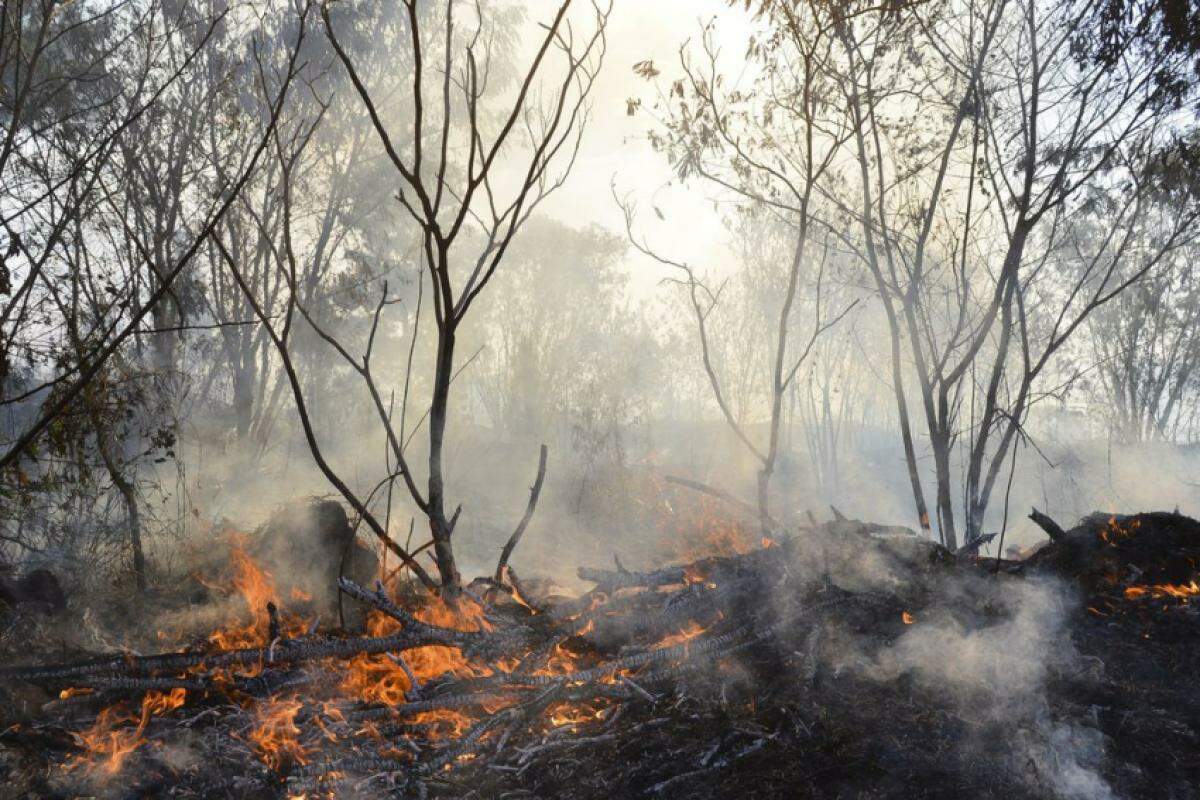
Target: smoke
x=1068, y=758
x=996, y=677
x=1002, y=661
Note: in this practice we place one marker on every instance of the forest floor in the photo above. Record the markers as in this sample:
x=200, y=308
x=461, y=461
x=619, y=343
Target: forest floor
x=839, y=662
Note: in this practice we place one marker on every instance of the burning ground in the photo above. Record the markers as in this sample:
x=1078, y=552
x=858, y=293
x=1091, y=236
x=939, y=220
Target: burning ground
x=848, y=660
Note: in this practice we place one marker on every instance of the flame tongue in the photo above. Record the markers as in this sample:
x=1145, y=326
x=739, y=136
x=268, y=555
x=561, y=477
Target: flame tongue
x=256, y=587
x=572, y=714
x=277, y=736
x=1180, y=591
x=111, y=740
x=689, y=632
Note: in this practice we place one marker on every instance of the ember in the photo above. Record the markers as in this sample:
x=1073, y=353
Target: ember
x=1180, y=592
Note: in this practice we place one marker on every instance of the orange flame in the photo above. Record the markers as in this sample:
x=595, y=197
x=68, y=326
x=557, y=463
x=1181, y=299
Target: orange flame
x=1180, y=591
x=697, y=526
x=691, y=631
x=282, y=736
x=110, y=741
x=444, y=723
x=379, y=679
x=276, y=737
x=568, y=714
x=1114, y=531
x=256, y=587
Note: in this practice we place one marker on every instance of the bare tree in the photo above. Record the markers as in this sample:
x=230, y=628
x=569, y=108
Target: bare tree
x=833, y=405
x=775, y=155
x=965, y=202
x=1143, y=348
x=535, y=137
x=80, y=276
x=60, y=173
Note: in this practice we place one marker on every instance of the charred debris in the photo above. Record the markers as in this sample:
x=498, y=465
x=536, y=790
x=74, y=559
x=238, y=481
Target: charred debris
x=847, y=660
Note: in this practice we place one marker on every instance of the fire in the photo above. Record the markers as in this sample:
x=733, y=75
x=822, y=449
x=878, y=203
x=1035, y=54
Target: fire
x=111, y=740
x=444, y=723
x=467, y=616
x=1114, y=531
x=568, y=714
x=380, y=679
x=376, y=679
x=691, y=631
x=700, y=526
x=1180, y=591
x=907, y=618
x=560, y=662
x=276, y=737
x=256, y=587
x=162, y=702
x=286, y=732
x=252, y=582
x=430, y=662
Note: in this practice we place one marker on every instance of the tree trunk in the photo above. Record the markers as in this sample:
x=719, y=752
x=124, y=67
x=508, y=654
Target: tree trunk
x=945, y=501
x=764, y=500
x=128, y=495
x=439, y=526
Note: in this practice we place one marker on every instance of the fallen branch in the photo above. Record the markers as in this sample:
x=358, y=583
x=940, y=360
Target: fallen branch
x=476, y=643
x=612, y=579
x=720, y=494
x=289, y=652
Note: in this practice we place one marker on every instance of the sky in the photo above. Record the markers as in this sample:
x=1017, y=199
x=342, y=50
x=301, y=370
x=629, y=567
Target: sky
x=615, y=146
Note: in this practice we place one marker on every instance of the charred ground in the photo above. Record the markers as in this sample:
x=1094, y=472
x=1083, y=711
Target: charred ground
x=843, y=661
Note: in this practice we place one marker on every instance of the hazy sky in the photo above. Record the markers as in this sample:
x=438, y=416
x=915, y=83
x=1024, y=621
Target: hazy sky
x=615, y=144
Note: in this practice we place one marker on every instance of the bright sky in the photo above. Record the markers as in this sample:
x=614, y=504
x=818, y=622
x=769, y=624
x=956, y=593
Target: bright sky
x=615, y=144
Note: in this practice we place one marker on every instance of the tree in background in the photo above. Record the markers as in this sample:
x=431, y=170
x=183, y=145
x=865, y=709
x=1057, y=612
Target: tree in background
x=566, y=354
x=79, y=81
x=963, y=214
x=1143, y=348
x=774, y=146
x=465, y=213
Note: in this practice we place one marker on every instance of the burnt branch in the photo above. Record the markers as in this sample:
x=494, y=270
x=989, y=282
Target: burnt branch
x=1052, y=528
x=515, y=539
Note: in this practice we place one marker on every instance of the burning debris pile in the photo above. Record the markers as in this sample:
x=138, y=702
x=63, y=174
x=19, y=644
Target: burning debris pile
x=846, y=660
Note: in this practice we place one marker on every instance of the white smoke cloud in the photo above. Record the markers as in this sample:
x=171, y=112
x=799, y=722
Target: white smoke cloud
x=998, y=675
